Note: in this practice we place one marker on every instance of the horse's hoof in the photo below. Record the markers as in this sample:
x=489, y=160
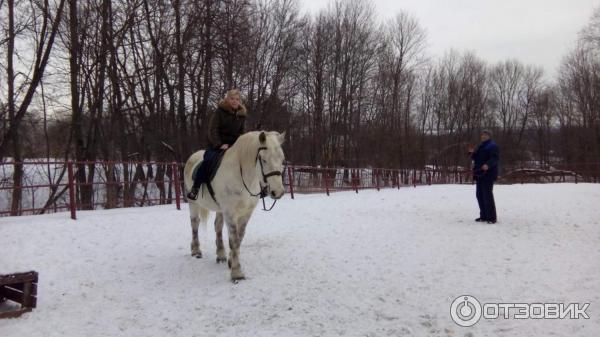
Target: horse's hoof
x=237, y=276
x=197, y=255
x=221, y=259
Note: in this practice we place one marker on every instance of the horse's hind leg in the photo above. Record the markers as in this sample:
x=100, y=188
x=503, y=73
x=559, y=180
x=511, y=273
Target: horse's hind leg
x=197, y=215
x=221, y=257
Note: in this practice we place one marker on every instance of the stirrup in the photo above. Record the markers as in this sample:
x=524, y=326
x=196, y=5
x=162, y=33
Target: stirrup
x=193, y=194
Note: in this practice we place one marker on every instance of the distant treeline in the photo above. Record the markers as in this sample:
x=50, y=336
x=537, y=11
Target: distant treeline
x=137, y=80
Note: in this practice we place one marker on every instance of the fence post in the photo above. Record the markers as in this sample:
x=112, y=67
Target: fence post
x=356, y=180
x=326, y=176
x=175, y=172
x=71, y=182
x=377, y=179
x=290, y=168
x=415, y=178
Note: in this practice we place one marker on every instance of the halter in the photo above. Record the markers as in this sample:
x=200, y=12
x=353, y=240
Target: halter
x=262, y=169
x=263, y=190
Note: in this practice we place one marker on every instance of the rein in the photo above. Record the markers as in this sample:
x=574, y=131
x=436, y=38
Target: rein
x=263, y=190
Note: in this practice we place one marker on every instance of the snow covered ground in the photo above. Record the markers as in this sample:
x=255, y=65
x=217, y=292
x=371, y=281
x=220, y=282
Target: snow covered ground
x=383, y=263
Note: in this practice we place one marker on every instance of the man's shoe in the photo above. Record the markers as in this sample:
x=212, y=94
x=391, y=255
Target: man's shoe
x=193, y=195
x=491, y=222
x=480, y=220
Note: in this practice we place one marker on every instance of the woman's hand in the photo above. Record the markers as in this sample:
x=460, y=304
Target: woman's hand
x=224, y=147
x=471, y=148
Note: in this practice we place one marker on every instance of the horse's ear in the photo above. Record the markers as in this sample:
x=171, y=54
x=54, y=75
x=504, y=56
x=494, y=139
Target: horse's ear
x=282, y=137
x=262, y=137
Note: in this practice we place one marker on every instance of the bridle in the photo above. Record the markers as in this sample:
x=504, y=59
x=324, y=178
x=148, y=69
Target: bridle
x=263, y=189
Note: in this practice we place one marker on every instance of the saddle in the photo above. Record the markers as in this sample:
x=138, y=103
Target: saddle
x=208, y=168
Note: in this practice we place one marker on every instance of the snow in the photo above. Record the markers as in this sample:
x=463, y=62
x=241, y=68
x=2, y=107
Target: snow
x=383, y=263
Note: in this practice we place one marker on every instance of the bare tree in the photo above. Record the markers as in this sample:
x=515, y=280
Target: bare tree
x=22, y=85
x=144, y=75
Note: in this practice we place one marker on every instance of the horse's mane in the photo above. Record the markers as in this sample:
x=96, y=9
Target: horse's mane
x=246, y=147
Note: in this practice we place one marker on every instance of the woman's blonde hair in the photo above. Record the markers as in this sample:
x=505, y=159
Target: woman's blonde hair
x=233, y=93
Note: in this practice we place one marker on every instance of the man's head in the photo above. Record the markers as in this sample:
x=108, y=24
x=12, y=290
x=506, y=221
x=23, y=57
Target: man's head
x=233, y=97
x=485, y=135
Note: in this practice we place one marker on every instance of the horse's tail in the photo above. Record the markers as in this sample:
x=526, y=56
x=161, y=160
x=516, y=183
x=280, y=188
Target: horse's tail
x=201, y=214
x=204, y=220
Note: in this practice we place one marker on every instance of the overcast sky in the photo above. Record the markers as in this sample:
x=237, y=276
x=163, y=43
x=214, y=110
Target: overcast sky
x=537, y=32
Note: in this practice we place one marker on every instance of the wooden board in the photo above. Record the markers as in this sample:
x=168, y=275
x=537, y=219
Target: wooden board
x=20, y=288
x=30, y=276
x=26, y=298
x=14, y=313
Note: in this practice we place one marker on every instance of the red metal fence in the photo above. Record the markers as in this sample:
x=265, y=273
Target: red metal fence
x=306, y=179
x=49, y=187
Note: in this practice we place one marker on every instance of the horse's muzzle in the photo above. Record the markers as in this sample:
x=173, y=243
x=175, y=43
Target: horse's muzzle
x=276, y=196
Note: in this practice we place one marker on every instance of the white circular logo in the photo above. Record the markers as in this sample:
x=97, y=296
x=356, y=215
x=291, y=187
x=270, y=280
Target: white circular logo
x=465, y=310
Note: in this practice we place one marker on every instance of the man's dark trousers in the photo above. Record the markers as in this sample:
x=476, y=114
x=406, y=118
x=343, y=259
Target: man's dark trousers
x=485, y=198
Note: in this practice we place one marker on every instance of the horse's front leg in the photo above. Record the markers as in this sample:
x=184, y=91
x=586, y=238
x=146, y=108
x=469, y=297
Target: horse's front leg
x=221, y=257
x=242, y=228
x=234, y=250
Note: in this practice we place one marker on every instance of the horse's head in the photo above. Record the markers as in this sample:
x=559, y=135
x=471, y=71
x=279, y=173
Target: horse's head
x=270, y=159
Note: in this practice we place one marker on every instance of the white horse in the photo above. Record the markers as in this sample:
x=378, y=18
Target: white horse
x=253, y=164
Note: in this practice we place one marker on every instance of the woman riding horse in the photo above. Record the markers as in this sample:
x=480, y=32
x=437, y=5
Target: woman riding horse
x=226, y=124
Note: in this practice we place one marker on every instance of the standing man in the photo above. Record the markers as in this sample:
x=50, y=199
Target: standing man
x=485, y=172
